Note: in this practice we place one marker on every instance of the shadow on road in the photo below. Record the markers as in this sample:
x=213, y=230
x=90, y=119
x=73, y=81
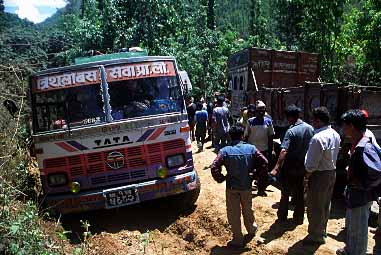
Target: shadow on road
x=340, y=237
x=299, y=248
x=225, y=250
x=277, y=229
x=151, y=215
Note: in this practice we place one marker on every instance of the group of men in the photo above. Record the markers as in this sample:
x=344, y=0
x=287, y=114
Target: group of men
x=306, y=152
x=212, y=117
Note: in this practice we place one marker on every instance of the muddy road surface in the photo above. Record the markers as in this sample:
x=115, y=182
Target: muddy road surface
x=159, y=228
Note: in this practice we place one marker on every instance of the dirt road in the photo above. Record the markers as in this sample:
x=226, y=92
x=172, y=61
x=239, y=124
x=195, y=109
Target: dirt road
x=156, y=228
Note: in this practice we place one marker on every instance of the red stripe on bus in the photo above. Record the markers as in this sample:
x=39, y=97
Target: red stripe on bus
x=156, y=133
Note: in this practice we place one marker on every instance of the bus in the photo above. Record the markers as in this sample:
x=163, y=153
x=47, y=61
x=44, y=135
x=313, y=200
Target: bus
x=111, y=131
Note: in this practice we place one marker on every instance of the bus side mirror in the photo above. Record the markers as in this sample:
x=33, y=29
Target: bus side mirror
x=11, y=107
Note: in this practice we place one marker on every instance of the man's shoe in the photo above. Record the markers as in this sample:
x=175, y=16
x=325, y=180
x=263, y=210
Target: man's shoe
x=234, y=245
x=254, y=230
x=310, y=241
x=341, y=252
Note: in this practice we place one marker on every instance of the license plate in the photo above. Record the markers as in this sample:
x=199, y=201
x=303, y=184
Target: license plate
x=122, y=197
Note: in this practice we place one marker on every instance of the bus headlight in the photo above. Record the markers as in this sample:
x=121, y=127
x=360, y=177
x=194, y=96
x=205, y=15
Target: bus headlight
x=175, y=160
x=162, y=172
x=57, y=179
x=75, y=187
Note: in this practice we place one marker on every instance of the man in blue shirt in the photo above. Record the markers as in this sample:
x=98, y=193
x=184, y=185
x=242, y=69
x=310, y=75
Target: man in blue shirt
x=240, y=159
x=290, y=164
x=201, y=118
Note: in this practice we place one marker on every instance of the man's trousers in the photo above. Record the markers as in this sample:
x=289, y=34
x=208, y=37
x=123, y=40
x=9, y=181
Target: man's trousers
x=237, y=201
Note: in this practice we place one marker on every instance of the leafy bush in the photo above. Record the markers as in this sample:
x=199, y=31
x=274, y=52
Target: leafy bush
x=19, y=221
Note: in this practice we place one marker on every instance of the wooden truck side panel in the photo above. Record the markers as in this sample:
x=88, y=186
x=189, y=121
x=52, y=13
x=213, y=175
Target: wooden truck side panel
x=277, y=69
x=268, y=68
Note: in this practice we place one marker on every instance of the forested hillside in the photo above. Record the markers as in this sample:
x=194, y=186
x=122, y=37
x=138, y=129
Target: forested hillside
x=201, y=34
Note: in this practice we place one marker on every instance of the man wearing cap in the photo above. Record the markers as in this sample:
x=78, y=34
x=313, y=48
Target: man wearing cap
x=260, y=132
x=290, y=164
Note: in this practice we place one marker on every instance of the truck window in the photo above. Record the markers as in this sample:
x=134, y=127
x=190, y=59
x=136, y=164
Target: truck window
x=143, y=97
x=75, y=106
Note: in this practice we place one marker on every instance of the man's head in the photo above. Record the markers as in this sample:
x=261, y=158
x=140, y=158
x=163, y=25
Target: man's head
x=242, y=110
x=260, y=109
x=292, y=113
x=354, y=122
x=199, y=106
x=187, y=98
x=251, y=110
x=220, y=100
x=236, y=132
x=320, y=117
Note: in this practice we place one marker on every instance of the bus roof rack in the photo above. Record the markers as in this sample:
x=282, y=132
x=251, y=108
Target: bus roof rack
x=132, y=52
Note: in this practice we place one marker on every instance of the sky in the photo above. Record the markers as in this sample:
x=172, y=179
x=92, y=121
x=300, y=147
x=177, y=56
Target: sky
x=33, y=10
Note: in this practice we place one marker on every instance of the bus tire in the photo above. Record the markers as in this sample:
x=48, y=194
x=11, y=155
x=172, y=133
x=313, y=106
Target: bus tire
x=186, y=201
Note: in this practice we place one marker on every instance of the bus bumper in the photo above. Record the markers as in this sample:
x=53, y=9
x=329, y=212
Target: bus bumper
x=123, y=195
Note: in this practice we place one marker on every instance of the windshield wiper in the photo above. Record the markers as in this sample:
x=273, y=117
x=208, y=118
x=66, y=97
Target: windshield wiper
x=67, y=116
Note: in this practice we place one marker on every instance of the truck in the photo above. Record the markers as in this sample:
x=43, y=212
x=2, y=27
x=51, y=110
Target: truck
x=111, y=131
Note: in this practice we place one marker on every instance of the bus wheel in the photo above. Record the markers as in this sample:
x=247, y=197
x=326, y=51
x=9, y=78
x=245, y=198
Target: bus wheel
x=186, y=201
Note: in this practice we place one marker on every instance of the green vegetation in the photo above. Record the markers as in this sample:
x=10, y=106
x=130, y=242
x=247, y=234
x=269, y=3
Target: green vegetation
x=201, y=34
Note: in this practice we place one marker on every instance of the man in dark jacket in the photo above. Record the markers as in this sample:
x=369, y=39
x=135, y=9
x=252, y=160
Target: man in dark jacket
x=290, y=164
x=364, y=176
x=240, y=159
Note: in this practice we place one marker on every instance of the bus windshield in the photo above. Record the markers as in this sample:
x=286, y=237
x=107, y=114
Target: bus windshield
x=143, y=97
x=65, y=108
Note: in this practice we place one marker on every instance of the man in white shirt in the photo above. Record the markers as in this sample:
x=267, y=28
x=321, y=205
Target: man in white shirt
x=320, y=164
